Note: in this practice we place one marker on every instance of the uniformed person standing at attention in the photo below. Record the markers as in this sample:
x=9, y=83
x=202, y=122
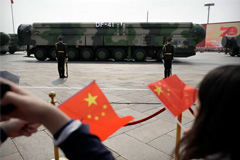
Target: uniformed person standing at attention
x=61, y=55
x=168, y=54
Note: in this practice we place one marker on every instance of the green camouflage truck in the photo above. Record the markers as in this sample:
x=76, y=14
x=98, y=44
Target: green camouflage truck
x=111, y=40
x=231, y=45
x=4, y=39
x=10, y=43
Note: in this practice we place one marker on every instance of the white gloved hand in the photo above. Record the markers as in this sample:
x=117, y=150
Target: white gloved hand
x=66, y=59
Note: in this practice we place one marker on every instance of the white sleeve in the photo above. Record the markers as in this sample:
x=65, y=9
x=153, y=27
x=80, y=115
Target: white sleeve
x=67, y=131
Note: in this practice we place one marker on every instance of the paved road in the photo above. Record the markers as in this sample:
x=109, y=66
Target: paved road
x=124, y=84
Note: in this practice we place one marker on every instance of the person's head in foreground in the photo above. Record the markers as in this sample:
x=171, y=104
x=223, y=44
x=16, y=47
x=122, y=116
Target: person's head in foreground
x=215, y=133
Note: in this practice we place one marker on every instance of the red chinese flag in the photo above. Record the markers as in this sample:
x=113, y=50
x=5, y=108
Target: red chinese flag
x=12, y=1
x=92, y=107
x=174, y=94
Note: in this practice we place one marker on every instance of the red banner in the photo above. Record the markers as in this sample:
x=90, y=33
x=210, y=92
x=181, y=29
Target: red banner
x=216, y=31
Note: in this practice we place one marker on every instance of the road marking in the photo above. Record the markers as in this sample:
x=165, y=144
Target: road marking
x=79, y=88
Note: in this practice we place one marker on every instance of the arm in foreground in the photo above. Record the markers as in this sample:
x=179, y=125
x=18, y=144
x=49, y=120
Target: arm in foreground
x=76, y=143
x=15, y=128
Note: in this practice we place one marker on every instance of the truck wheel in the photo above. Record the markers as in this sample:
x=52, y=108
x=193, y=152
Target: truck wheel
x=119, y=54
x=40, y=54
x=52, y=54
x=235, y=51
x=12, y=49
x=87, y=54
x=159, y=55
x=73, y=54
x=102, y=54
x=139, y=55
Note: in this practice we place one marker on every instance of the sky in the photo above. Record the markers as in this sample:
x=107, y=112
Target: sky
x=31, y=11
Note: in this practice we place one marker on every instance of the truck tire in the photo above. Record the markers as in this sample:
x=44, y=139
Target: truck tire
x=72, y=54
x=87, y=54
x=139, y=55
x=52, y=54
x=119, y=54
x=102, y=54
x=235, y=51
x=12, y=50
x=40, y=54
x=159, y=55
x=3, y=52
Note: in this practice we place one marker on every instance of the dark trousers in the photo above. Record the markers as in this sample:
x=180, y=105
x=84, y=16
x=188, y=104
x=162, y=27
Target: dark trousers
x=61, y=62
x=167, y=68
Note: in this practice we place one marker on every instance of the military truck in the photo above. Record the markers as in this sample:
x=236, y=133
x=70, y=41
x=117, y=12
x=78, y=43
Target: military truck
x=10, y=43
x=110, y=40
x=4, y=40
x=232, y=45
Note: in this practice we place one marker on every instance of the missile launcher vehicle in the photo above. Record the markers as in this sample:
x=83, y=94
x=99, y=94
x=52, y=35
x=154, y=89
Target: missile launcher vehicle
x=4, y=39
x=10, y=43
x=232, y=45
x=108, y=40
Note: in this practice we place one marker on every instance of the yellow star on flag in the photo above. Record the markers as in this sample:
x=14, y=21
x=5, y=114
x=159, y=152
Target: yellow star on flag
x=158, y=90
x=91, y=99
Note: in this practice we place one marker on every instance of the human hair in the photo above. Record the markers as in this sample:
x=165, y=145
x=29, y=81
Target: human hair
x=215, y=128
x=60, y=38
x=169, y=40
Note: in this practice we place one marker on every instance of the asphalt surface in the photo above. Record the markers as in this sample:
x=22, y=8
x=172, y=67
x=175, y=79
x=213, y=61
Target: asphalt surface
x=125, y=86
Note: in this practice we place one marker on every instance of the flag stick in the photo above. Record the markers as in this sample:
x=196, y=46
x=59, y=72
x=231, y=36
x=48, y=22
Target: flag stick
x=56, y=153
x=52, y=95
x=67, y=68
x=12, y=19
x=178, y=134
x=179, y=123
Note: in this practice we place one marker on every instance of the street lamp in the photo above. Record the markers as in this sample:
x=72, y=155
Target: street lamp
x=147, y=16
x=209, y=5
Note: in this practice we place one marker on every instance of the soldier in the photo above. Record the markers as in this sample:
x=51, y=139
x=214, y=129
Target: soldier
x=168, y=54
x=62, y=56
